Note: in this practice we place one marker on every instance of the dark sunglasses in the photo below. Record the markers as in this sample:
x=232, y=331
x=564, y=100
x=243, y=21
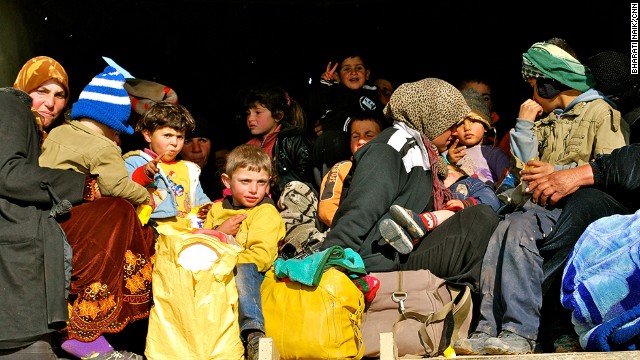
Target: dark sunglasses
x=549, y=88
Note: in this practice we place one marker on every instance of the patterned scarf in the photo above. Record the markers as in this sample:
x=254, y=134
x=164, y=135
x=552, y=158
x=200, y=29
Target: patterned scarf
x=441, y=194
x=544, y=60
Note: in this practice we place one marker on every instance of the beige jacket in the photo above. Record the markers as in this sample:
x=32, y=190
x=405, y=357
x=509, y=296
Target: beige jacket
x=75, y=147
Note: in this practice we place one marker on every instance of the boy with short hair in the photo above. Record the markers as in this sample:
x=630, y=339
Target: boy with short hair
x=343, y=89
x=177, y=187
x=252, y=217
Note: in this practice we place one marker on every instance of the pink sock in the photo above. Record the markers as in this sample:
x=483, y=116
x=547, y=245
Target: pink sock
x=82, y=349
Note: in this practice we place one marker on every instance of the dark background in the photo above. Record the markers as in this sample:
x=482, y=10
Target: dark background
x=209, y=51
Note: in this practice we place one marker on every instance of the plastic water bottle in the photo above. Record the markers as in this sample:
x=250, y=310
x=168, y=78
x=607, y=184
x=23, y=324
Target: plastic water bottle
x=509, y=182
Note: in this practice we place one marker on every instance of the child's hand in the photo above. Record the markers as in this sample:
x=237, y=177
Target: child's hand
x=151, y=168
x=456, y=153
x=318, y=128
x=454, y=205
x=203, y=211
x=530, y=110
x=232, y=224
x=330, y=73
x=533, y=170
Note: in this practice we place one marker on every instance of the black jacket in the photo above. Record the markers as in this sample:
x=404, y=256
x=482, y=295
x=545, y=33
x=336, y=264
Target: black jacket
x=332, y=103
x=386, y=171
x=32, y=277
x=292, y=158
x=618, y=174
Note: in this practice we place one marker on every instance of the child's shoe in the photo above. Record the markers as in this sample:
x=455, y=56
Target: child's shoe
x=473, y=345
x=508, y=343
x=253, y=342
x=409, y=220
x=118, y=355
x=396, y=236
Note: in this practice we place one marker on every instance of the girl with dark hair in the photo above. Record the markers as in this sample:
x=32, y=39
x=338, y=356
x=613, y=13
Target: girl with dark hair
x=277, y=122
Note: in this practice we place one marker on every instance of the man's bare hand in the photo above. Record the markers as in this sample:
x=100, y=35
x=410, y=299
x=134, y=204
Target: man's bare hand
x=551, y=188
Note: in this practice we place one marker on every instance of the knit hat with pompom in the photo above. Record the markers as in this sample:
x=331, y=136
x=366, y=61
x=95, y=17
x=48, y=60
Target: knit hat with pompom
x=105, y=100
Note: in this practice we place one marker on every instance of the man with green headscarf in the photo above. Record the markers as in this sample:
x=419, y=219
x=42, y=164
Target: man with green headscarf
x=567, y=123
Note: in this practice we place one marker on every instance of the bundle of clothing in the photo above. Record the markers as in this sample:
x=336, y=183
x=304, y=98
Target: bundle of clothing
x=600, y=284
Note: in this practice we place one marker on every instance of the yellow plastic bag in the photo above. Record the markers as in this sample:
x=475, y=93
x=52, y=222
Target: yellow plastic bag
x=195, y=312
x=321, y=322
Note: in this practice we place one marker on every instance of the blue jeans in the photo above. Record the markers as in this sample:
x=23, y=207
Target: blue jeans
x=581, y=209
x=512, y=272
x=248, y=282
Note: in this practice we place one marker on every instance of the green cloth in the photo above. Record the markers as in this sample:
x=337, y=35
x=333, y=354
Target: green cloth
x=557, y=64
x=309, y=270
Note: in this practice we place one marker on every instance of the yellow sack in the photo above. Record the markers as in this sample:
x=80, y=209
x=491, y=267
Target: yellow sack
x=321, y=322
x=195, y=312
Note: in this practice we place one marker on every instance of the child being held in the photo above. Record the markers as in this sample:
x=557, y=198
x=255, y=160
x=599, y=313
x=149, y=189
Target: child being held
x=308, y=217
x=405, y=229
x=90, y=142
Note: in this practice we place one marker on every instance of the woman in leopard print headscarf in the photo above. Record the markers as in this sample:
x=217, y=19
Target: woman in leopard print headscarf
x=398, y=168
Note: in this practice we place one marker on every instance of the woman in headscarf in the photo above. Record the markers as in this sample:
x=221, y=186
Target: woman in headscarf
x=401, y=167
x=109, y=285
x=47, y=83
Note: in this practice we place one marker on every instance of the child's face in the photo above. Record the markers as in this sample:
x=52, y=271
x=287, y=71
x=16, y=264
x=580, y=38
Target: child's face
x=385, y=90
x=247, y=187
x=363, y=131
x=548, y=105
x=483, y=89
x=470, y=132
x=260, y=121
x=112, y=135
x=165, y=141
x=353, y=74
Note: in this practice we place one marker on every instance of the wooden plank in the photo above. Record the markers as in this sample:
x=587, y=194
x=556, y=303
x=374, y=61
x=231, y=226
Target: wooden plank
x=388, y=349
x=267, y=350
x=616, y=355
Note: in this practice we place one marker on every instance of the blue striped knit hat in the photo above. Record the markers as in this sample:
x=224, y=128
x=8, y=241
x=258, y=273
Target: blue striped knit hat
x=105, y=100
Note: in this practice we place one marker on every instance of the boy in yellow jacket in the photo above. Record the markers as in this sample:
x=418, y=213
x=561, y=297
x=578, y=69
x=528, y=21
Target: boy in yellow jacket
x=252, y=217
